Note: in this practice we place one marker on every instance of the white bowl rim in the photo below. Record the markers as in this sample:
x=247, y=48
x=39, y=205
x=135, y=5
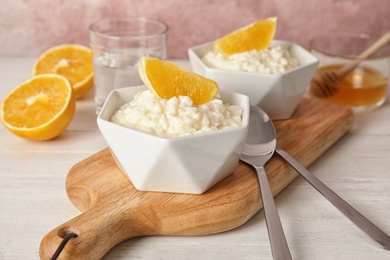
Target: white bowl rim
x=244, y=122
x=257, y=74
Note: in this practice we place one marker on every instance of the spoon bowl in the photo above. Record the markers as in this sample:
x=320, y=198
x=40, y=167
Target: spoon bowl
x=258, y=148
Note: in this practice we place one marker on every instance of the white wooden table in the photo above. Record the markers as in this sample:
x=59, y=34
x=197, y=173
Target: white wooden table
x=33, y=199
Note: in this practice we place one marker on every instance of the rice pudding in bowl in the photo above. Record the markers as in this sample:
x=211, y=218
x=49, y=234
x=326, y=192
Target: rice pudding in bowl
x=179, y=147
x=273, y=60
x=177, y=116
x=276, y=88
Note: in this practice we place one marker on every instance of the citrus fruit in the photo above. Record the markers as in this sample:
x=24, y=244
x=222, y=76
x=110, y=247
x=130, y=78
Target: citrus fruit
x=39, y=108
x=256, y=36
x=72, y=61
x=166, y=80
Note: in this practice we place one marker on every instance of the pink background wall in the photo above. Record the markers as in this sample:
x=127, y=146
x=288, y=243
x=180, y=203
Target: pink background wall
x=29, y=27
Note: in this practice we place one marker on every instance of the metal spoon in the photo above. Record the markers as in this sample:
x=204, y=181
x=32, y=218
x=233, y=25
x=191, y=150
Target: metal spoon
x=356, y=217
x=257, y=150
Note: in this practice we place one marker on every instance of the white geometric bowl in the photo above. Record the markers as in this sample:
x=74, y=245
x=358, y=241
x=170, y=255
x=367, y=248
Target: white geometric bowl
x=277, y=94
x=188, y=164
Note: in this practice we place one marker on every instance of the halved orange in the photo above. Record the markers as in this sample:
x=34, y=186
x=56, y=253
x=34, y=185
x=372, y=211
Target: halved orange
x=166, y=80
x=256, y=36
x=72, y=61
x=39, y=108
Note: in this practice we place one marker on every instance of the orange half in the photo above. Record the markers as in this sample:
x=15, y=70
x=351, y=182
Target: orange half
x=72, y=61
x=39, y=108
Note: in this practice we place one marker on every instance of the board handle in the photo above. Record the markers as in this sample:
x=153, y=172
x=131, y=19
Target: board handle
x=97, y=232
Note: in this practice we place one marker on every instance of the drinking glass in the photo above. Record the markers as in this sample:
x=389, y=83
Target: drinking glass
x=117, y=44
x=365, y=87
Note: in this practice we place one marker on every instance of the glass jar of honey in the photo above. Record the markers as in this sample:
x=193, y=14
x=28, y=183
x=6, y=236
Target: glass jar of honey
x=365, y=87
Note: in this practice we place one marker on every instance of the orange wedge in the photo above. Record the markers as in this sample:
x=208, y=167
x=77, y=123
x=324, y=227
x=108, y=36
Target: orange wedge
x=166, y=80
x=256, y=36
x=39, y=108
x=72, y=61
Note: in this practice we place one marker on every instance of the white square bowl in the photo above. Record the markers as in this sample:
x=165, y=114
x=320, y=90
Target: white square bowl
x=189, y=164
x=277, y=94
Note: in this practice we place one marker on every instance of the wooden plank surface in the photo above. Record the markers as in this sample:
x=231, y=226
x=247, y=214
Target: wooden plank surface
x=113, y=210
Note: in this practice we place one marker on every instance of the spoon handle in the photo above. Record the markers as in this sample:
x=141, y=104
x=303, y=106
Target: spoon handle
x=276, y=235
x=355, y=216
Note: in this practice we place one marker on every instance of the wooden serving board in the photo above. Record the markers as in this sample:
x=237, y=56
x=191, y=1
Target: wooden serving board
x=113, y=210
